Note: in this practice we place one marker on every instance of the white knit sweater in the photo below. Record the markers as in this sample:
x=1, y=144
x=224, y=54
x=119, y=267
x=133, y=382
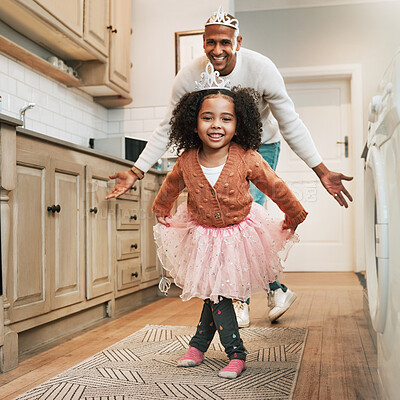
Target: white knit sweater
x=253, y=70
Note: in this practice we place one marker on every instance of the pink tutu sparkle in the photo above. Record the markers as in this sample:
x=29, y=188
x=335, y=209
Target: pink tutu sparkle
x=207, y=262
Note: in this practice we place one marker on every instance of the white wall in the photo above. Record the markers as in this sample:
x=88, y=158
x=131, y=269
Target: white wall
x=154, y=23
x=367, y=34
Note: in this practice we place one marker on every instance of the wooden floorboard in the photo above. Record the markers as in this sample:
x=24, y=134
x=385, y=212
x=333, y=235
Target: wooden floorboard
x=339, y=360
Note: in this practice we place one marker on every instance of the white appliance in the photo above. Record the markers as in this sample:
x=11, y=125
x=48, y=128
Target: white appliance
x=382, y=224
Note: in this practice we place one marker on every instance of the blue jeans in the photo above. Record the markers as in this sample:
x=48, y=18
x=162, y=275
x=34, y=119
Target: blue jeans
x=270, y=153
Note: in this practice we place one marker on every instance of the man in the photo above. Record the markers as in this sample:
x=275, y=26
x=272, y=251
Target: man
x=222, y=47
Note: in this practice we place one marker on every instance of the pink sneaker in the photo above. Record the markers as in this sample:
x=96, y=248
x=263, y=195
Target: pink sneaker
x=233, y=369
x=192, y=358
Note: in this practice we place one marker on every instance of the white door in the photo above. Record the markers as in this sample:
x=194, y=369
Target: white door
x=327, y=235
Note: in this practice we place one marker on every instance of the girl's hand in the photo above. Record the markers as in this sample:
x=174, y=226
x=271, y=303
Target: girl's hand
x=285, y=225
x=163, y=220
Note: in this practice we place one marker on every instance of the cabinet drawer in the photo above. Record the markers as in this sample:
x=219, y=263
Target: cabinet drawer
x=132, y=193
x=128, y=244
x=129, y=273
x=128, y=215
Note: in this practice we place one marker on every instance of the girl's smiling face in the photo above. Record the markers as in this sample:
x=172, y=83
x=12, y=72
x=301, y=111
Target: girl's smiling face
x=216, y=122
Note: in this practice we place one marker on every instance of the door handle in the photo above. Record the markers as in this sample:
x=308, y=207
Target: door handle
x=346, y=146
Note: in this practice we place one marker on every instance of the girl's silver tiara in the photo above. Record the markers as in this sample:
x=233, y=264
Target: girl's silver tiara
x=220, y=17
x=210, y=79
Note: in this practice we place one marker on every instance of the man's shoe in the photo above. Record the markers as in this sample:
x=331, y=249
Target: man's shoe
x=283, y=300
x=242, y=313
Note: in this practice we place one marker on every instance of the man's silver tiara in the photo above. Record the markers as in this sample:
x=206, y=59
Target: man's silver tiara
x=220, y=17
x=210, y=79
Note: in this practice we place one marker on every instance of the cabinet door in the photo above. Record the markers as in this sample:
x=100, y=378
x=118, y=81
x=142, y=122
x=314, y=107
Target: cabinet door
x=120, y=43
x=70, y=12
x=28, y=283
x=150, y=264
x=67, y=246
x=100, y=253
x=96, y=21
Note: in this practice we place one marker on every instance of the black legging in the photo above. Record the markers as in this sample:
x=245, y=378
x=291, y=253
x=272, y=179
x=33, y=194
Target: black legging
x=219, y=316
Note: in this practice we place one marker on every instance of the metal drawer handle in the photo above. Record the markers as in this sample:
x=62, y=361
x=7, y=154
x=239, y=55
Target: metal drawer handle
x=134, y=246
x=134, y=217
x=94, y=210
x=54, y=208
x=134, y=274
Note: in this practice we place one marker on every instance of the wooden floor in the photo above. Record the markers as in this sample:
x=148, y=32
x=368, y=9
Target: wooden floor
x=339, y=361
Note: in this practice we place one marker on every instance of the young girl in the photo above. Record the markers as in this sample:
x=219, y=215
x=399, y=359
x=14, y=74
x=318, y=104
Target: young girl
x=219, y=245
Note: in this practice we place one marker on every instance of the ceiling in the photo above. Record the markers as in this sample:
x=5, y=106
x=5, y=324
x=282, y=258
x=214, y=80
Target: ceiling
x=257, y=5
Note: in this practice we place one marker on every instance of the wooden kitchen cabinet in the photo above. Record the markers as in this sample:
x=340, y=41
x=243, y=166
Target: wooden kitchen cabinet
x=99, y=271
x=151, y=267
x=109, y=83
x=56, y=25
x=28, y=284
x=93, y=36
x=128, y=243
x=69, y=257
x=66, y=212
x=70, y=13
x=97, y=24
x=47, y=261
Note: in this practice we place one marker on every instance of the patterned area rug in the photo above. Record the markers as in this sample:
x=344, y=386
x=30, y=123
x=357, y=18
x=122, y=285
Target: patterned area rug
x=143, y=366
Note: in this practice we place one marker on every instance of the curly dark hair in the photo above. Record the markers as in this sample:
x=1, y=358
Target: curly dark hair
x=183, y=136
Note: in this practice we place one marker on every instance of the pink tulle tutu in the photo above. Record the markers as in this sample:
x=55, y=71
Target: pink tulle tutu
x=209, y=262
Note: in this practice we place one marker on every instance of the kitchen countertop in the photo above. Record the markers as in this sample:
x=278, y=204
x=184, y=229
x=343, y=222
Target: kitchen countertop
x=10, y=120
x=76, y=147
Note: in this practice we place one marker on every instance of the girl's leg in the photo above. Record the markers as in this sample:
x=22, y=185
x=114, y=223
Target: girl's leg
x=205, y=329
x=228, y=330
x=201, y=340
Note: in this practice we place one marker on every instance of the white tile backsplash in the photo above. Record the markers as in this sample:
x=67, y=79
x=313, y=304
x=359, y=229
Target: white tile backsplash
x=68, y=113
x=61, y=112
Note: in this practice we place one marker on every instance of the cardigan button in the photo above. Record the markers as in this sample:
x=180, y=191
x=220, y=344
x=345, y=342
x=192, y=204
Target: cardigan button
x=217, y=215
x=213, y=192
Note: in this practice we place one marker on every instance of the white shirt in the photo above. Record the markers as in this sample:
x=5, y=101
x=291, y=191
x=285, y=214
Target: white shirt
x=253, y=70
x=212, y=174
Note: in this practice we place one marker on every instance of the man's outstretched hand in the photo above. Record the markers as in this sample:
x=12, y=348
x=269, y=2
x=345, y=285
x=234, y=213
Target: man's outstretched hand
x=125, y=180
x=332, y=182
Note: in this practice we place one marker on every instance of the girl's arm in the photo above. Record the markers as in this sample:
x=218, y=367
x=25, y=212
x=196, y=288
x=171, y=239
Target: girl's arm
x=168, y=193
x=265, y=178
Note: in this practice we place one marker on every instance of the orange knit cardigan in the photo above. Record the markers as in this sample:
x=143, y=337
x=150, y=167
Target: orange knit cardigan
x=229, y=201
